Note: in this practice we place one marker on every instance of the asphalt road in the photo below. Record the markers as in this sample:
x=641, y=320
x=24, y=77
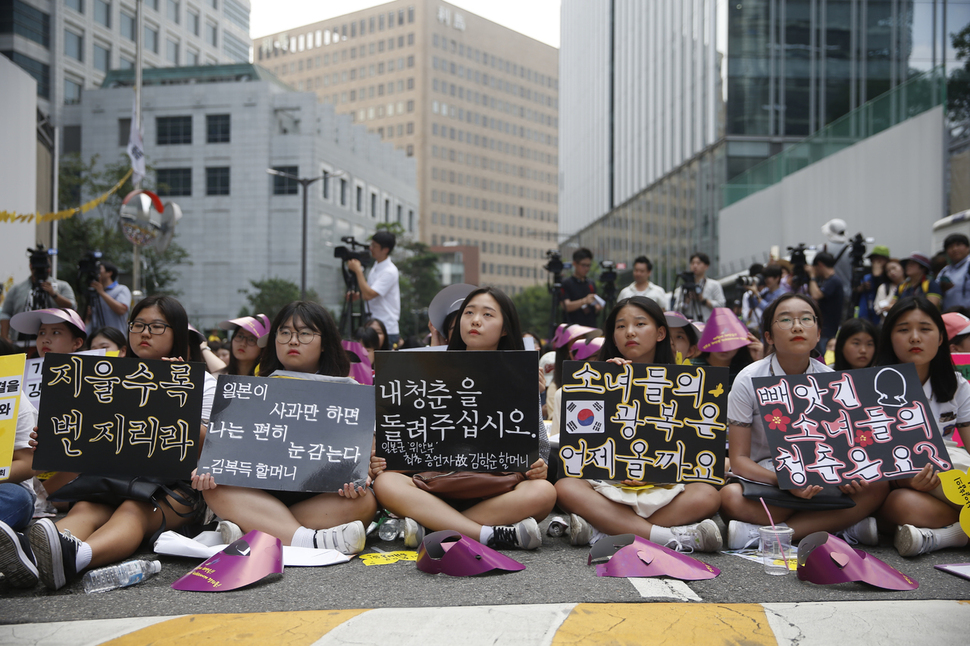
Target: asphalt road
x=555, y=573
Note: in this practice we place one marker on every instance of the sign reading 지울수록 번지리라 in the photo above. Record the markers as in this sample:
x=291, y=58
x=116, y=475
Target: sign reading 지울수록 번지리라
x=651, y=423
x=119, y=416
x=458, y=411
x=11, y=382
x=832, y=427
x=288, y=434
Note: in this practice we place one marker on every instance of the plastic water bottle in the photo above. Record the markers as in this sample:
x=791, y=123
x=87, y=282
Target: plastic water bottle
x=557, y=527
x=390, y=528
x=120, y=576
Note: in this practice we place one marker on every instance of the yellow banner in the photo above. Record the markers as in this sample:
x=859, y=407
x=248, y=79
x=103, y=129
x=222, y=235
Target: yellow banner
x=9, y=216
x=11, y=376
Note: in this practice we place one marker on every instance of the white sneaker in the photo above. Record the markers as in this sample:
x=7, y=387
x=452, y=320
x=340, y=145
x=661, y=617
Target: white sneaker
x=913, y=541
x=348, y=538
x=229, y=531
x=413, y=533
x=580, y=531
x=742, y=535
x=524, y=535
x=699, y=537
x=864, y=532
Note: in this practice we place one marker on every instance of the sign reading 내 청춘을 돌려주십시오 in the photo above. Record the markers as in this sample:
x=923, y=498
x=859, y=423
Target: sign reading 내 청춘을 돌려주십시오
x=288, y=434
x=829, y=428
x=119, y=416
x=644, y=422
x=458, y=411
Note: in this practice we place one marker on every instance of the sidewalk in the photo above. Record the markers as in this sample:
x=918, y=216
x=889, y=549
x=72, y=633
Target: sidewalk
x=805, y=624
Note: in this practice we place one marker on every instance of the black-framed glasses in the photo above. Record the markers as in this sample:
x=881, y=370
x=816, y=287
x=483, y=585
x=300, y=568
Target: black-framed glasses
x=154, y=328
x=245, y=339
x=786, y=322
x=304, y=336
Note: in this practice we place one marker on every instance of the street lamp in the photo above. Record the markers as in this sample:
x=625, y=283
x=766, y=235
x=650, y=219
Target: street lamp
x=305, y=183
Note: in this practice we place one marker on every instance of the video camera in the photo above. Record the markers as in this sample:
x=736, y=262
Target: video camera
x=88, y=270
x=608, y=275
x=345, y=254
x=798, y=262
x=555, y=265
x=688, y=284
x=40, y=263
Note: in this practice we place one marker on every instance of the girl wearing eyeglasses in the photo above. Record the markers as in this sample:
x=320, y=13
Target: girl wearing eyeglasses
x=303, y=338
x=924, y=520
x=95, y=534
x=244, y=346
x=791, y=328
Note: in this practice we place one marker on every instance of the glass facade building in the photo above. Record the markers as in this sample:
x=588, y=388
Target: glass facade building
x=689, y=93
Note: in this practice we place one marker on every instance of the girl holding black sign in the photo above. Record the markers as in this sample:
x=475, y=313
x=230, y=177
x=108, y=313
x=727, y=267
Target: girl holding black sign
x=303, y=338
x=637, y=332
x=925, y=521
x=487, y=322
x=791, y=328
x=94, y=534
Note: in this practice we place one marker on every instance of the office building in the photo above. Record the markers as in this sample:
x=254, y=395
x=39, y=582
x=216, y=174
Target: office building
x=211, y=133
x=474, y=103
x=664, y=101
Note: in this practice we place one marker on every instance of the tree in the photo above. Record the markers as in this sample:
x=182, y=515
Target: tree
x=272, y=295
x=958, y=84
x=99, y=230
x=419, y=279
x=534, y=305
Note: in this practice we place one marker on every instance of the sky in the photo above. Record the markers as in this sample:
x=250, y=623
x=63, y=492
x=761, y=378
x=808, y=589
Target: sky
x=538, y=19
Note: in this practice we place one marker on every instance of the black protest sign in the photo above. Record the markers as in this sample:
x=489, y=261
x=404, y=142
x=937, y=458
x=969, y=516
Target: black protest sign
x=652, y=423
x=288, y=434
x=832, y=427
x=458, y=411
x=119, y=416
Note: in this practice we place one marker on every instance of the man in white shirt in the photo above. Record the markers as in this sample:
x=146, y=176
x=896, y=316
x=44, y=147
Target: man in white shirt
x=381, y=289
x=641, y=286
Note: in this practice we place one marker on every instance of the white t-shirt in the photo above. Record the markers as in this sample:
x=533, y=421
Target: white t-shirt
x=653, y=291
x=386, y=307
x=743, y=405
x=949, y=414
x=208, y=396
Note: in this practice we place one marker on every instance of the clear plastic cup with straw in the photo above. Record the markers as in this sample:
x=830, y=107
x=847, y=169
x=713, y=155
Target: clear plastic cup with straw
x=775, y=545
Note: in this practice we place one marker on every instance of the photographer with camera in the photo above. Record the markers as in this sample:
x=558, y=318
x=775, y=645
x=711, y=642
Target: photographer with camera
x=826, y=288
x=953, y=278
x=579, y=293
x=698, y=296
x=766, y=289
x=38, y=292
x=380, y=288
x=110, y=308
x=641, y=285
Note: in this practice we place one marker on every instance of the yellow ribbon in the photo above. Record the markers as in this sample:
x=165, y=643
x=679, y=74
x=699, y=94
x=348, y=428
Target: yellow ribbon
x=9, y=216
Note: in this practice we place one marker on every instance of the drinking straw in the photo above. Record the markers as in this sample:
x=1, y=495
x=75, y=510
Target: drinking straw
x=777, y=538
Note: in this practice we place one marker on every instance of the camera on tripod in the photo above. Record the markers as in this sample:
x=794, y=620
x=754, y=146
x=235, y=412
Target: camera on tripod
x=688, y=284
x=798, y=262
x=40, y=263
x=88, y=270
x=353, y=253
x=555, y=265
x=608, y=275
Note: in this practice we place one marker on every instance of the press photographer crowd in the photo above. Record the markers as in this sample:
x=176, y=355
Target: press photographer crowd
x=847, y=304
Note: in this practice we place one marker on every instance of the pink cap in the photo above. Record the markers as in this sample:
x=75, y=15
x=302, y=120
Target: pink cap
x=567, y=333
x=723, y=332
x=825, y=559
x=244, y=561
x=258, y=326
x=583, y=350
x=457, y=555
x=956, y=324
x=630, y=555
x=30, y=322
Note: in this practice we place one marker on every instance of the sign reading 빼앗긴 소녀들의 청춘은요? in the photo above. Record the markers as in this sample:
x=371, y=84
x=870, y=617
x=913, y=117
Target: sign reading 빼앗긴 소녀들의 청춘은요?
x=288, y=434
x=118, y=416
x=829, y=428
x=644, y=422
x=458, y=411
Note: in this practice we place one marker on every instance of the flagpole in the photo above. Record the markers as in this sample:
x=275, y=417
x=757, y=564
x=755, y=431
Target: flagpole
x=139, y=37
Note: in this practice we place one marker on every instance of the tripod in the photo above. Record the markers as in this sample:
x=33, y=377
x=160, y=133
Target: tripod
x=609, y=295
x=556, y=290
x=690, y=304
x=355, y=310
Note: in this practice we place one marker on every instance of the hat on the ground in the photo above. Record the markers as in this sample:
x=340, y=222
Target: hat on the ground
x=956, y=324
x=30, y=322
x=258, y=326
x=834, y=230
x=723, y=332
x=919, y=259
x=457, y=555
x=242, y=562
x=632, y=556
x=880, y=250
x=445, y=302
x=565, y=334
x=824, y=559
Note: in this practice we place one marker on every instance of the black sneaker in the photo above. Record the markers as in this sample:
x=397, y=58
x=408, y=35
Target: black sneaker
x=55, y=552
x=524, y=535
x=16, y=558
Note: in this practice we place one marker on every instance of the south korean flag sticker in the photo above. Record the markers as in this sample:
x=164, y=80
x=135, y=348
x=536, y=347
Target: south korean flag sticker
x=585, y=417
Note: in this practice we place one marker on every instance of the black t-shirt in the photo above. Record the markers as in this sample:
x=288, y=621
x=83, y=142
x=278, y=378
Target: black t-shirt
x=574, y=290
x=831, y=305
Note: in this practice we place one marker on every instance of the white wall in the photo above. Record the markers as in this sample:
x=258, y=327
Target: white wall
x=18, y=167
x=889, y=187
